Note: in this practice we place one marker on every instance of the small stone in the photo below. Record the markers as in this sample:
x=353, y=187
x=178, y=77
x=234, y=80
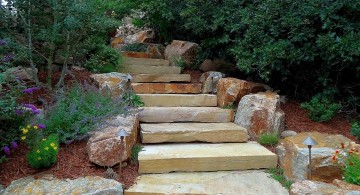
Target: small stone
x=19, y=73
x=209, y=65
x=288, y=133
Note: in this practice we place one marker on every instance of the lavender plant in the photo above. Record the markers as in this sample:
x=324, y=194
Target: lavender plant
x=78, y=110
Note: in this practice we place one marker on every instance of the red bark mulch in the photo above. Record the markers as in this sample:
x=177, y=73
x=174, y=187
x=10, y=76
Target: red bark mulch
x=297, y=119
x=73, y=162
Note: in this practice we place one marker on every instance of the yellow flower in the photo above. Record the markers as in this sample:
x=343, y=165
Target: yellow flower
x=23, y=137
x=52, y=144
x=47, y=148
x=28, y=126
x=39, y=158
x=38, y=151
x=35, y=127
x=25, y=131
x=43, y=139
x=55, y=148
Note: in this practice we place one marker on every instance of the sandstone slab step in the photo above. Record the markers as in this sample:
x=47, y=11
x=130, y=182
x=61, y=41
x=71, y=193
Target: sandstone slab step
x=204, y=183
x=145, y=61
x=165, y=158
x=190, y=132
x=146, y=69
x=179, y=100
x=143, y=88
x=186, y=114
x=160, y=78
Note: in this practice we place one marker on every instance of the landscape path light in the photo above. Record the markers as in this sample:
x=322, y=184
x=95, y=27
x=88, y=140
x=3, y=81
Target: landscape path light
x=122, y=134
x=310, y=142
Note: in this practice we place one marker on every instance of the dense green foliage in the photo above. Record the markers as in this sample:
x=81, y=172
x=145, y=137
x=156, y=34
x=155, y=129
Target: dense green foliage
x=104, y=60
x=352, y=169
x=355, y=129
x=278, y=175
x=78, y=110
x=299, y=47
x=47, y=31
x=44, y=154
x=132, y=99
x=321, y=108
x=268, y=139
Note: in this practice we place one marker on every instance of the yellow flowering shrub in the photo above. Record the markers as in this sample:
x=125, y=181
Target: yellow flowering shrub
x=44, y=154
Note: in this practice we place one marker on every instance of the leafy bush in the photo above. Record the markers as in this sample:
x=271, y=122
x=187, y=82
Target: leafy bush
x=44, y=154
x=105, y=60
x=269, y=139
x=135, y=47
x=32, y=134
x=78, y=110
x=278, y=175
x=135, y=153
x=321, y=108
x=312, y=41
x=355, y=129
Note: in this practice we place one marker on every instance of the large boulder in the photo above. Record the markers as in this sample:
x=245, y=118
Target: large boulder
x=20, y=72
x=91, y=185
x=294, y=156
x=307, y=187
x=260, y=113
x=231, y=90
x=114, y=83
x=181, y=49
x=104, y=146
x=209, y=81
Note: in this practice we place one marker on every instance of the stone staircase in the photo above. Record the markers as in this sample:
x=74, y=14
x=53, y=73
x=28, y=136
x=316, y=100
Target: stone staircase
x=190, y=145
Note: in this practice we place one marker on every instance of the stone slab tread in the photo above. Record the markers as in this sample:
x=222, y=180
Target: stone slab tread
x=190, y=132
x=160, y=78
x=147, y=69
x=166, y=88
x=179, y=100
x=197, y=157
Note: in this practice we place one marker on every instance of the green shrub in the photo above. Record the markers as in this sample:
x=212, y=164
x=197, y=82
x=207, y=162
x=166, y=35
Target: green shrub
x=105, y=60
x=133, y=99
x=135, y=47
x=78, y=110
x=278, y=175
x=269, y=139
x=352, y=169
x=321, y=108
x=355, y=129
x=135, y=153
x=44, y=154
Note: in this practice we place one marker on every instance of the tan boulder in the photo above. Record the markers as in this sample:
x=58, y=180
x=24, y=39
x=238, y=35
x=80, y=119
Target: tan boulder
x=231, y=90
x=104, y=146
x=114, y=83
x=260, y=113
x=217, y=65
x=181, y=49
x=307, y=187
x=19, y=72
x=345, y=185
x=294, y=156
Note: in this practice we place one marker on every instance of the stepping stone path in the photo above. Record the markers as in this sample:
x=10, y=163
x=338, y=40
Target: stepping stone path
x=191, y=146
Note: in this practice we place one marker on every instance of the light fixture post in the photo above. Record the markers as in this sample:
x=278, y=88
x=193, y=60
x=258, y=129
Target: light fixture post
x=122, y=134
x=310, y=142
